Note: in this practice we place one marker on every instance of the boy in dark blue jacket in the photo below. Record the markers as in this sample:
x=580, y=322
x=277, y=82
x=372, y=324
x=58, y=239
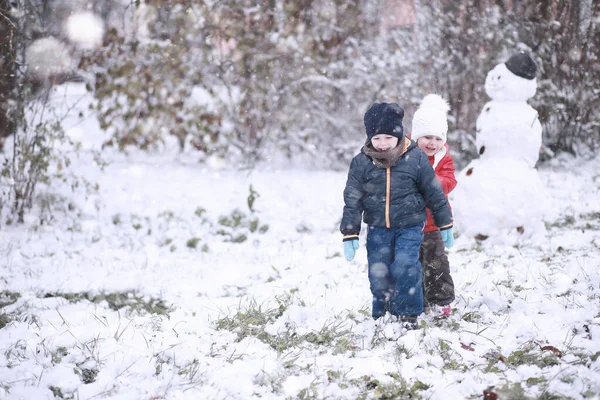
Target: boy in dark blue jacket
x=390, y=182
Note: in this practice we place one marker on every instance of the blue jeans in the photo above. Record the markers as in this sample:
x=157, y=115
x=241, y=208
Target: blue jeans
x=395, y=271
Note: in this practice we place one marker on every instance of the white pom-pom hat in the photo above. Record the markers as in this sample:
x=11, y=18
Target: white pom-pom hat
x=431, y=118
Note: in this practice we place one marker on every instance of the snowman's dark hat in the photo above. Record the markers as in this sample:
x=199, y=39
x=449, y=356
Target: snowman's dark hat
x=521, y=64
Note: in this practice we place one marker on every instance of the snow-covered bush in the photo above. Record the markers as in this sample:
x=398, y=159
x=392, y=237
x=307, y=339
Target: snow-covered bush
x=144, y=92
x=27, y=166
x=38, y=154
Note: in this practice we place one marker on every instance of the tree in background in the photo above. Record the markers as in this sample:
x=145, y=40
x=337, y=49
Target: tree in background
x=302, y=76
x=8, y=65
x=564, y=37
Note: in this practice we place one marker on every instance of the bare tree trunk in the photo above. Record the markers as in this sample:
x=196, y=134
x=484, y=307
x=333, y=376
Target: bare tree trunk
x=7, y=71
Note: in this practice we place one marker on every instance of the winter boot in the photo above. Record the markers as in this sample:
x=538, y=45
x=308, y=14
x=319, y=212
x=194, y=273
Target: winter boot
x=445, y=311
x=379, y=307
x=409, y=322
x=439, y=311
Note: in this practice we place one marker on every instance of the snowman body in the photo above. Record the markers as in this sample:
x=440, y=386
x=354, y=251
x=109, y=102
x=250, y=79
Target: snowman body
x=509, y=126
x=500, y=195
x=499, y=198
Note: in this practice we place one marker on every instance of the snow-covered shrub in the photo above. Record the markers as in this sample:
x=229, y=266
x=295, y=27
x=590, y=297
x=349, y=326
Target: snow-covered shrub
x=144, y=93
x=35, y=155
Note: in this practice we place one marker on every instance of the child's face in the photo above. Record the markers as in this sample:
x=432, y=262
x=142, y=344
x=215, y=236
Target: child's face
x=430, y=144
x=384, y=142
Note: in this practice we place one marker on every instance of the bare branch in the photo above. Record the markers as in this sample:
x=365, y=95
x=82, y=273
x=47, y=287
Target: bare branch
x=8, y=19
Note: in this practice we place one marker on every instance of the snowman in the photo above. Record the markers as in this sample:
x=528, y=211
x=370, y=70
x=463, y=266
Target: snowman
x=500, y=195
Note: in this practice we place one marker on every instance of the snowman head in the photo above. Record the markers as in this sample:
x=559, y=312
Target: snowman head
x=513, y=80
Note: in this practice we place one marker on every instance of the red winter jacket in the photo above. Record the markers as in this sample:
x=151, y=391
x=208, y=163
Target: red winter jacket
x=444, y=172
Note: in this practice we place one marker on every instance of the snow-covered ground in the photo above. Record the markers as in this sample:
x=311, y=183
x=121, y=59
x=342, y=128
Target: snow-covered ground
x=142, y=291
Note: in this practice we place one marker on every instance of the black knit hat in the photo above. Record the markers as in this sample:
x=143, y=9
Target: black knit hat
x=521, y=64
x=384, y=119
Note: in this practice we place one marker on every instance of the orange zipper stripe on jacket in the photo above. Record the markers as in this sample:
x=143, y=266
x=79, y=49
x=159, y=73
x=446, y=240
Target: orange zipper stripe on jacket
x=387, y=197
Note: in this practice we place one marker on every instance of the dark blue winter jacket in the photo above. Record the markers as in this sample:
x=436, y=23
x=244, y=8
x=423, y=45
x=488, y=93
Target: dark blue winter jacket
x=393, y=197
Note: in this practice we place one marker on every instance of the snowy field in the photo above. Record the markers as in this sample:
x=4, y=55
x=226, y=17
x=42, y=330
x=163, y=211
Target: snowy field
x=170, y=284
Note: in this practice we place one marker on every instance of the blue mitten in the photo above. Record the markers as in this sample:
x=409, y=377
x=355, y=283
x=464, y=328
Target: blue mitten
x=350, y=247
x=448, y=237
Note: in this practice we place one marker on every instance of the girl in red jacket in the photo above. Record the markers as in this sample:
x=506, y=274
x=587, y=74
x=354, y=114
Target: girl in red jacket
x=429, y=130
